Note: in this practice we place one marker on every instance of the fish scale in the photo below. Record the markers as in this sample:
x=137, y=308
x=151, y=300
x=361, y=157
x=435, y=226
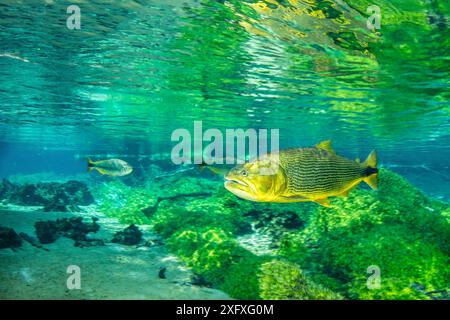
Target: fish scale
x=313, y=171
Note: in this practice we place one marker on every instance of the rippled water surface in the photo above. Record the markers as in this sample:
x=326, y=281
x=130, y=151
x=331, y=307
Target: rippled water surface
x=137, y=70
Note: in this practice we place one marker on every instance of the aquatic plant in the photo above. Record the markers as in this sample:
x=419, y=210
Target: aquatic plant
x=168, y=221
x=327, y=251
x=397, y=229
x=241, y=280
x=209, y=252
x=283, y=280
x=125, y=203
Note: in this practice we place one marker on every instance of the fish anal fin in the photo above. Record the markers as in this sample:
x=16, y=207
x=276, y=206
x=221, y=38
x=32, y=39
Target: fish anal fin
x=323, y=202
x=372, y=181
x=101, y=171
x=347, y=192
x=325, y=145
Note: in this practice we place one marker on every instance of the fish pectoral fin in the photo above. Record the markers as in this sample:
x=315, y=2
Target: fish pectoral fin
x=323, y=202
x=325, y=145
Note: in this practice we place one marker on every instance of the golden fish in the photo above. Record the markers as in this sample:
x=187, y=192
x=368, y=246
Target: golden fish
x=301, y=174
x=111, y=167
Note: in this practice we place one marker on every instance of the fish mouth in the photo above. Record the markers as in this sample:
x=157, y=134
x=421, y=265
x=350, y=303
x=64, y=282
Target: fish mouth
x=231, y=182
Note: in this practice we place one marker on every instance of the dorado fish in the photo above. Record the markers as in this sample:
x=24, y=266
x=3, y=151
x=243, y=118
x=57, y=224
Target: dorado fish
x=301, y=174
x=111, y=167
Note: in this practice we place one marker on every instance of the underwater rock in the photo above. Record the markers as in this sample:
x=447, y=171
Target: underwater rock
x=398, y=229
x=32, y=241
x=27, y=195
x=9, y=238
x=275, y=223
x=54, y=196
x=76, y=192
x=46, y=231
x=198, y=280
x=162, y=272
x=6, y=188
x=283, y=280
x=57, y=204
x=76, y=229
x=73, y=228
x=129, y=236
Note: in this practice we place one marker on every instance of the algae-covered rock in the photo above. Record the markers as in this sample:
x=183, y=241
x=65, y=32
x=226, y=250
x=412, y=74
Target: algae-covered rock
x=396, y=229
x=115, y=199
x=54, y=196
x=327, y=251
x=209, y=252
x=168, y=221
x=282, y=280
x=9, y=238
x=130, y=236
x=241, y=280
x=46, y=231
x=74, y=228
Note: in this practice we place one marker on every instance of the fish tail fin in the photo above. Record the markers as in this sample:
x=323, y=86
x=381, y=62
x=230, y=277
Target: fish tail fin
x=371, y=170
x=90, y=165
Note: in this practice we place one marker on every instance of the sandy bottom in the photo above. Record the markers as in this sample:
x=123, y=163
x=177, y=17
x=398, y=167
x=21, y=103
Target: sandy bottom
x=112, y=271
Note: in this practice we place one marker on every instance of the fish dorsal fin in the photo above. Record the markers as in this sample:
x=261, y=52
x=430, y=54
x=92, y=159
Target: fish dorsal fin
x=325, y=145
x=371, y=160
x=323, y=202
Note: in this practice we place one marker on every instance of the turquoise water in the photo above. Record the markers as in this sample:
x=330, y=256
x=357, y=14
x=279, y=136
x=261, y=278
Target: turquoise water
x=138, y=70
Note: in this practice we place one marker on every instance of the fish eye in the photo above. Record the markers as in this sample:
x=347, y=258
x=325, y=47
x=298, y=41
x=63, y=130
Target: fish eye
x=244, y=173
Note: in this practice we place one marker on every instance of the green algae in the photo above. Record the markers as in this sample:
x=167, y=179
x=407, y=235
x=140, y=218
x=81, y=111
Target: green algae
x=282, y=280
x=398, y=229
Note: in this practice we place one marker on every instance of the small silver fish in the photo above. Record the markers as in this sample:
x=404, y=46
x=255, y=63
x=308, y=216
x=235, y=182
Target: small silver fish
x=111, y=167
